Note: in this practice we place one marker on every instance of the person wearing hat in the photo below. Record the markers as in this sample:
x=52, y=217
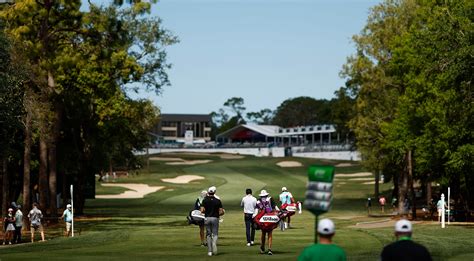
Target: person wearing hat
x=9, y=222
x=266, y=204
x=212, y=209
x=67, y=215
x=18, y=225
x=404, y=248
x=325, y=250
x=286, y=198
x=249, y=203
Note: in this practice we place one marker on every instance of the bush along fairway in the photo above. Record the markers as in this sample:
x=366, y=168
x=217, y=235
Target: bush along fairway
x=155, y=228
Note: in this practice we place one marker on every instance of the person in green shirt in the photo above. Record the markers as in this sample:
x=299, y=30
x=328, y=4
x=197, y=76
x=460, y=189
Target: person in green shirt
x=325, y=250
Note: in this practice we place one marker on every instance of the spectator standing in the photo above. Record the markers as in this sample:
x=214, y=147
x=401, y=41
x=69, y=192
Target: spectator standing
x=35, y=217
x=439, y=206
x=18, y=225
x=67, y=215
x=404, y=248
x=382, y=201
x=369, y=205
x=9, y=227
x=212, y=209
x=325, y=250
x=249, y=203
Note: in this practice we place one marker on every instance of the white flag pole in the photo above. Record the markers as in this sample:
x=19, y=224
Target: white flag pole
x=449, y=209
x=443, y=225
x=72, y=211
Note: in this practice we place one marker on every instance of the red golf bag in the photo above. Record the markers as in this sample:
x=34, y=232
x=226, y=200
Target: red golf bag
x=267, y=221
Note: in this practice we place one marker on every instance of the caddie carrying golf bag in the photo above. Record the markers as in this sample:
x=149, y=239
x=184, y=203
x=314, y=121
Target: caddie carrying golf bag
x=266, y=221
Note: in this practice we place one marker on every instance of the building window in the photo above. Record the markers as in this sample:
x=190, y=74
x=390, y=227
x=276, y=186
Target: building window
x=169, y=133
x=169, y=124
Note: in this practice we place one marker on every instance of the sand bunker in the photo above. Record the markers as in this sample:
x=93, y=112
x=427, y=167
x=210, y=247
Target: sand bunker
x=231, y=156
x=369, y=183
x=165, y=159
x=360, y=174
x=289, y=164
x=342, y=165
x=136, y=190
x=188, y=162
x=361, y=179
x=183, y=179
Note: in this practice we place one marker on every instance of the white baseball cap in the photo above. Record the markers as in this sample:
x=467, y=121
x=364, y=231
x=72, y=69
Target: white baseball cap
x=212, y=189
x=326, y=227
x=284, y=189
x=68, y=206
x=403, y=226
x=263, y=193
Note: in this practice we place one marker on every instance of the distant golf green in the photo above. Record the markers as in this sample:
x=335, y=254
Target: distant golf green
x=155, y=227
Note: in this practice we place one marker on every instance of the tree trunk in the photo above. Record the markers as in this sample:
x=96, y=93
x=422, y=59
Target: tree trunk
x=428, y=191
x=111, y=167
x=52, y=162
x=402, y=190
x=27, y=164
x=43, y=173
x=410, y=182
x=376, y=186
x=4, y=186
x=52, y=179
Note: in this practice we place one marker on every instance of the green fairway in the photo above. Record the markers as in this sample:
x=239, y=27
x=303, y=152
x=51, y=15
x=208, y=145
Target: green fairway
x=155, y=227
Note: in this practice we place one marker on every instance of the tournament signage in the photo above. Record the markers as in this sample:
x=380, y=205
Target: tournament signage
x=319, y=190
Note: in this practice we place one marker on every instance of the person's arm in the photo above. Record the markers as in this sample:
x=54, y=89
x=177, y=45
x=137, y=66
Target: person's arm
x=221, y=211
x=242, y=202
x=203, y=209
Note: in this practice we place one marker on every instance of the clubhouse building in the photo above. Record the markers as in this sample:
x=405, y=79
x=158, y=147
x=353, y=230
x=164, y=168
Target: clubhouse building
x=252, y=133
x=181, y=128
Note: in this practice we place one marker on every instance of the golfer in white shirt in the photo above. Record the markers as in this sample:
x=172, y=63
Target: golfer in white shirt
x=249, y=204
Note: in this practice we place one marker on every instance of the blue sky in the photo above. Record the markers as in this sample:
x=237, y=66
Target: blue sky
x=264, y=51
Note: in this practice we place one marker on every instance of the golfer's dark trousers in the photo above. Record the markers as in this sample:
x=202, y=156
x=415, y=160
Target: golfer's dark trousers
x=249, y=230
x=17, y=235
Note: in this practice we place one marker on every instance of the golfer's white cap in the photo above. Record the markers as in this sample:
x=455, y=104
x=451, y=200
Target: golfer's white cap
x=263, y=193
x=212, y=189
x=284, y=189
x=68, y=206
x=10, y=209
x=326, y=227
x=403, y=226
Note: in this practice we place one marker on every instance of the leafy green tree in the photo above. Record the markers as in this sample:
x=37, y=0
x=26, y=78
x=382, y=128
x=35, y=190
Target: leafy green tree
x=302, y=111
x=264, y=116
x=377, y=91
x=11, y=112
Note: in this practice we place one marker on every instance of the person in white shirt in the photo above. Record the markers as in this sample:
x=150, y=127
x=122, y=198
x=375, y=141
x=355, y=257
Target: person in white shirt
x=286, y=198
x=249, y=204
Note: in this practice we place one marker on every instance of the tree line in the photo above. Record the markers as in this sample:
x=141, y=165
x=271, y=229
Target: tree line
x=411, y=78
x=65, y=115
x=298, y=111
